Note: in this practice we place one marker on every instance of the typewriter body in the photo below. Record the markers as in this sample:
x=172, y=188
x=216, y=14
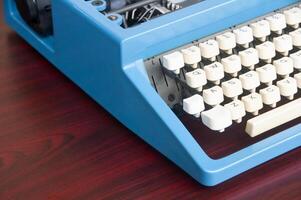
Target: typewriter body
x=187, y=77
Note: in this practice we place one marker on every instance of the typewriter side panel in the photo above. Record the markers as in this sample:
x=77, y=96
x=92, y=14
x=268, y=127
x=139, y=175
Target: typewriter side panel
x=91, y=57
x=97, y=68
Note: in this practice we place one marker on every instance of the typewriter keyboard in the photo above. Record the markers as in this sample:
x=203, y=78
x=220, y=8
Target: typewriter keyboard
x=249, y=75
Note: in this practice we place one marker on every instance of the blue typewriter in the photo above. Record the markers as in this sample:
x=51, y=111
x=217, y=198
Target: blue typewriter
x=214, y=85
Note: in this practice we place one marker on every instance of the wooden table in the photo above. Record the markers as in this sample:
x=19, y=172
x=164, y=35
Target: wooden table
x=57, y=143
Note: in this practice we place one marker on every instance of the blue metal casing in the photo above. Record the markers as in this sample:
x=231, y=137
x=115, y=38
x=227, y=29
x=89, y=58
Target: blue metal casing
x=106, y=61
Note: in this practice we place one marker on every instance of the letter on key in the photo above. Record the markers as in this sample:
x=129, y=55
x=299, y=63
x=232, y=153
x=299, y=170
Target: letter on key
x=284, y=66
x=214, y=72
x=244, y=36
x=267, y=74
x=237, y=109
x=293, y=16
x=232, y=65
x=270, y=95
x=261, y=29
x=226, y=42
x=217, y=118
x=196, y=79
x=288, y=87
x=192, y=56
x=250, y=80
x=253, y=103
x=249, y=58
x=266, y=51
x=209, y=49
x=283, y=44
x=277, y=22
x=213, y=96
x=232, y=88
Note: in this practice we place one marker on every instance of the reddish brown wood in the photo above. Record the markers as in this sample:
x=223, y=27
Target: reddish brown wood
x=56, y=143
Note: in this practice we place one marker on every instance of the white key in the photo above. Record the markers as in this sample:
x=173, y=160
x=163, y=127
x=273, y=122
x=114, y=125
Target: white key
x=249, y=58
x=217, y=118
x=267, y=74
x=296, y=36
x=270, y=95
x=192, y=56
x=226, y=42
x=274, y=118
x=277, y=22
x=253, y=103
x=213, y=96
x=266, y=51
x=209, y=49
x=284, y=66
x=194, y=105
x=250, y=80
x=298, y=79
x=237, y=109
x=293, y=16
x=214, y=72
x=261, y=29
x=196, y=79
x=288, y=87
x=244, y=36
x=297, y=60
x=232, y=88
x=232, y=64
x=283, y=44
x=173, y=62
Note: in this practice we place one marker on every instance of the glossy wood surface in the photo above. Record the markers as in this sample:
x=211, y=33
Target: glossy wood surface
x=56, y=143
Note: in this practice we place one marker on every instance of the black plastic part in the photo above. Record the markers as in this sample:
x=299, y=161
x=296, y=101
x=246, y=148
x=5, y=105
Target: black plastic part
x=37, y=14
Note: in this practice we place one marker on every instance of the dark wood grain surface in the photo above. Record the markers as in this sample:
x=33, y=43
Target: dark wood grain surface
x=56, y=143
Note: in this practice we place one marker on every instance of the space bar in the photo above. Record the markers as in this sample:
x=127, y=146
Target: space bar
x=274, y=118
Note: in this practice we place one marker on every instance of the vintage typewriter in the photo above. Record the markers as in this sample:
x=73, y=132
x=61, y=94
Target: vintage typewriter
x=214, y=85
